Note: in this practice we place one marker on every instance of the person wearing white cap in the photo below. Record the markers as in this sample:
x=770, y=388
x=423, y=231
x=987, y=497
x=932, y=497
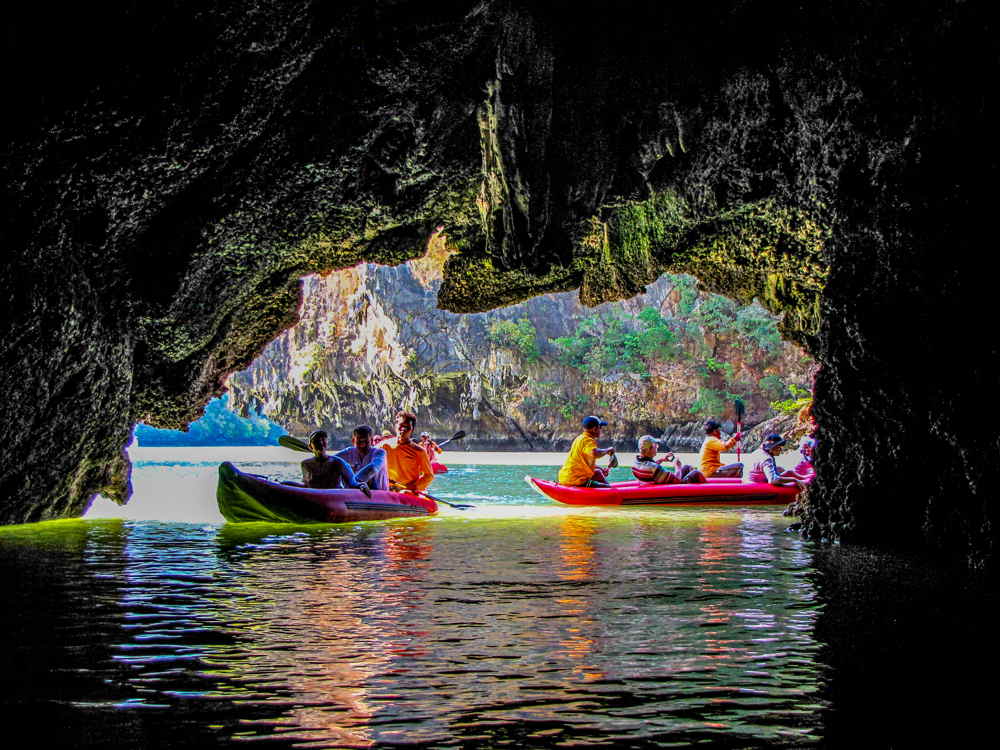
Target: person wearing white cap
x=580, y=468
x=432, y=448
x=647, y=468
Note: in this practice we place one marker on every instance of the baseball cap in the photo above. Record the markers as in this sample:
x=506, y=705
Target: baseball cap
x=773, y=440
x=593, y=421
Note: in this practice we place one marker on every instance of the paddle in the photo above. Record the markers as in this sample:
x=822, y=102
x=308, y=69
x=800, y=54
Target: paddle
x=740, y=411
x=458, y=506
x=399, y=488
x=287, y=441
x=457, y=436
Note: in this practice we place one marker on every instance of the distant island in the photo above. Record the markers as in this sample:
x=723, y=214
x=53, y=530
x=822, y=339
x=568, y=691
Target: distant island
x=218, y=426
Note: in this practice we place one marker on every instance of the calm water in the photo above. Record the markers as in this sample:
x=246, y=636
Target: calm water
x=519, y=623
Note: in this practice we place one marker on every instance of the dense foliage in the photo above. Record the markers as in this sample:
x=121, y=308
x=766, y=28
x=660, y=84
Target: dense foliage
x=217, y=426
x=519, y=335
x=735, y=350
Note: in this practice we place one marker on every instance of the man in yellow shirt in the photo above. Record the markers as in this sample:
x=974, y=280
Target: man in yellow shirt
x=711, y=464
x=407, y=462
x=580, y=468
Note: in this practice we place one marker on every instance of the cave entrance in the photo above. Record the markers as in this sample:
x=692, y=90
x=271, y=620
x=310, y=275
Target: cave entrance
x=371, y=340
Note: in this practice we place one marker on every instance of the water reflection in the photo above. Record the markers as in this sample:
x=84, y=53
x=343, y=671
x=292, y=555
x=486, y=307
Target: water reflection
x=578, y=554
x=639, y=627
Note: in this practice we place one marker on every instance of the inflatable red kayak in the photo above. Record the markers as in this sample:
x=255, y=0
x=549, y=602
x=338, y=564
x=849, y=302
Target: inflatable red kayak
x=439, y=468
x=248, y=497
x=713, y=492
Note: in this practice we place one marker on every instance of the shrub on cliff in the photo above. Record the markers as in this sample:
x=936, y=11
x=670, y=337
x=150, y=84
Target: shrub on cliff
x=518, y=335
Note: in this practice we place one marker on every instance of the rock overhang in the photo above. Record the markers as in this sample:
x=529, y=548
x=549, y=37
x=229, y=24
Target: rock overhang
x=163, y=206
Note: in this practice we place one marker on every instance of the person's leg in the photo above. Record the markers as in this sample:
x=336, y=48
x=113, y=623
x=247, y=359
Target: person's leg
x=667, y=477
x=730, y=470
x=691, y=475
x=599, y=479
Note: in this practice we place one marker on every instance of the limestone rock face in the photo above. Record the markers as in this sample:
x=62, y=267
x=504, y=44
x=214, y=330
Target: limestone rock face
x=171, y=171
x=370, y=340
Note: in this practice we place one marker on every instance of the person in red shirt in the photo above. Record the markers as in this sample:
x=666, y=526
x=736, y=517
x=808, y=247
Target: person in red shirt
x=432, y=448
x=804, y=468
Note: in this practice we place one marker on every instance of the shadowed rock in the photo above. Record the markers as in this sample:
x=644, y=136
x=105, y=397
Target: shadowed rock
x=174, y=171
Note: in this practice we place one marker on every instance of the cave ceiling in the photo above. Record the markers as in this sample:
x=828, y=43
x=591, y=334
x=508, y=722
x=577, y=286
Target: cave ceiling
x=172, y=170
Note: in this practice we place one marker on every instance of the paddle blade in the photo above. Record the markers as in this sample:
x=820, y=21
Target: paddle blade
x=740, y=408
x=287, y=441
x=457, y=436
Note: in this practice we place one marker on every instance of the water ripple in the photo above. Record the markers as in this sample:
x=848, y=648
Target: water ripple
x=626, y=629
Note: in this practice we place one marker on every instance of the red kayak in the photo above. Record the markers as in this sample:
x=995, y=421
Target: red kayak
x=712, y=492
x=439, y=468
x=249, y=497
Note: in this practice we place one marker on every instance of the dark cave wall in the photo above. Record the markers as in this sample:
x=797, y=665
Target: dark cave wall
x=174, y=170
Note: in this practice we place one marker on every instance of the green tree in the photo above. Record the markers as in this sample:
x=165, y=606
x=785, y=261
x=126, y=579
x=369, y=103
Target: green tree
x=519, y=335
x=758, y=327
x=773, y=387
x=800, y=397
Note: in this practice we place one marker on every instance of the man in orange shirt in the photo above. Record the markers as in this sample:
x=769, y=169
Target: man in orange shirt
x=711, y=464
x=580, y=468
x=408, y=464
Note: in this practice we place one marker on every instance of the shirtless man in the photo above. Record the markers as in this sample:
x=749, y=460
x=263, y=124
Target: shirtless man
x=323, y=472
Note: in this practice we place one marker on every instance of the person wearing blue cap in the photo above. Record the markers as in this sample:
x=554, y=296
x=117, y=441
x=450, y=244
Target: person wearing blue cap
x=768, y=471
x=580, y=468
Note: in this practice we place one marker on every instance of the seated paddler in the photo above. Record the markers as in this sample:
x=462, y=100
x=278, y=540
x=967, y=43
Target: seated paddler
x=407, y=461
x=768, y=471
x=648, y=468
x=323, y=472
x=580, y=468
x=712, y=448
x=367, y=461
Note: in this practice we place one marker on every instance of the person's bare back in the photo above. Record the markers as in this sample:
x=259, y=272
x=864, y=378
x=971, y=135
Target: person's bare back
x=326, y=473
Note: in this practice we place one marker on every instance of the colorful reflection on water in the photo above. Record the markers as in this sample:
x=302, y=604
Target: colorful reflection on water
x=518, y=623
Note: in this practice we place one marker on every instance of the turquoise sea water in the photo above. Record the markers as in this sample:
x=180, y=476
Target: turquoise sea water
x=519, y=623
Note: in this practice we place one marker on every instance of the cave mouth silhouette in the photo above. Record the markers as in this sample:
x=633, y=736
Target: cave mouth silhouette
x=167, y=186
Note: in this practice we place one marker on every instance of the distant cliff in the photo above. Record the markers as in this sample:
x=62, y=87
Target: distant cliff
x=371, y=341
